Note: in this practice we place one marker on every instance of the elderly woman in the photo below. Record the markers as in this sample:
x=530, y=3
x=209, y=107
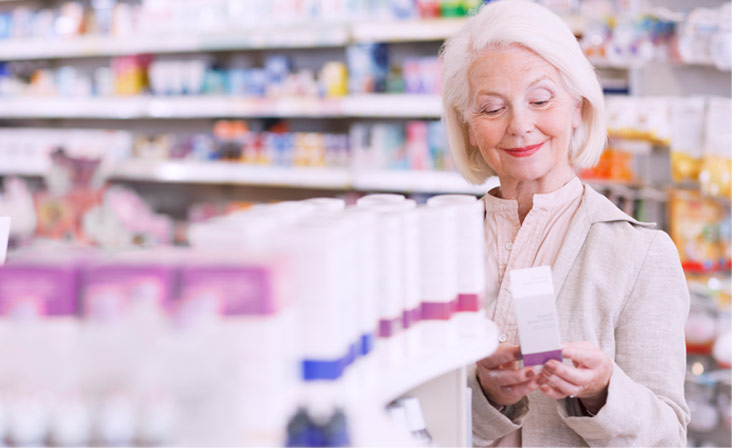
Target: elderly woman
x=521, y=101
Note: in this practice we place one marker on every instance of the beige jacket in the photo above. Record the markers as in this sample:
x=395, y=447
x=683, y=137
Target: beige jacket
x=620, y=286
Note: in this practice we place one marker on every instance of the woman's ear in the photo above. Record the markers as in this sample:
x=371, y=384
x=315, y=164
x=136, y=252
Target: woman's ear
x=471, y=136
x=577, y=115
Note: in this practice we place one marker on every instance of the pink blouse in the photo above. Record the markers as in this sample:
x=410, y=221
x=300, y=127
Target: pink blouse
x=513, y=245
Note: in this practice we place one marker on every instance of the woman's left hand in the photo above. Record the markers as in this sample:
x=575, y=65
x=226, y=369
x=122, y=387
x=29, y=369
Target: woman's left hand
x=587, y=380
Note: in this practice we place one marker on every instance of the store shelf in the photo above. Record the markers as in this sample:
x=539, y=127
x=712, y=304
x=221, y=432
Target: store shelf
x=300, y=177
x=433, y=363
x=320, y=34
x=426, y=30
x=637, y=65
x=418, y=182
x=376, y=105
x=333, y=35
x=23, y=171
x=392, y=106
x=231, y=173
x=165, y=107
x=406, y=30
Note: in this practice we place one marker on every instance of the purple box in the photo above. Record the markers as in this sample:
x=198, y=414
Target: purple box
x=241, y=290
x=38, y=290
x=109, y=289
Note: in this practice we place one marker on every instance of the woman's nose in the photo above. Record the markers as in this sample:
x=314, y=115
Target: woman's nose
x=520, y=121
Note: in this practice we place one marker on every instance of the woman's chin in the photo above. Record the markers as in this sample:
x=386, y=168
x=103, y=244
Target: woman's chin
x=523, y=176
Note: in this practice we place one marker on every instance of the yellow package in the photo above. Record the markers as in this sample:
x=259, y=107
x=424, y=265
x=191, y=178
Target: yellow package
x=687, y=137
x=694, y=226
x=717, y=165
x=334, y=79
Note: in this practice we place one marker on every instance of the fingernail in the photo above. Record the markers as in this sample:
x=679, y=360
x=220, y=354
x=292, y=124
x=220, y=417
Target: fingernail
x=530, y=373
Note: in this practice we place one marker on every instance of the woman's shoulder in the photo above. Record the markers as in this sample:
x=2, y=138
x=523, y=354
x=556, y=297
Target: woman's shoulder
x=621, y=233
x=599, y=209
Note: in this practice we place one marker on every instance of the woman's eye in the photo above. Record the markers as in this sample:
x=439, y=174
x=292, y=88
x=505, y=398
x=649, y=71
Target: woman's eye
x=491, y=111
x=540, y=103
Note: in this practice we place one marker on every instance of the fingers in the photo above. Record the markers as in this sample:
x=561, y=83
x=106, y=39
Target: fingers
x=556, y=387
x=504, y=378
x=517, y=391
x=570, y=374
x=583, y=353
x=507, y=394
x=588, y=378
x=501, y=379
x=553, y=392
x=504, y=354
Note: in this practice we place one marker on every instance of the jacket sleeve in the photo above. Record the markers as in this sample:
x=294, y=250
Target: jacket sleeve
x=645, y=404
x=490, y=424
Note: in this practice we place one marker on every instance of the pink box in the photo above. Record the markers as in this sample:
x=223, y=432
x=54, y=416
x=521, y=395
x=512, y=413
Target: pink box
x=234, y=290
x=111, y=288
x=38, y=290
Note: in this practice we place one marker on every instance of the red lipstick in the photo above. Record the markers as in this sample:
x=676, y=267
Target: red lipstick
x=525, y=151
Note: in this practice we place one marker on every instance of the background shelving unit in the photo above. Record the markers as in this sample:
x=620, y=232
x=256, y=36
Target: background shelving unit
x=171, y=185
x=328, y=34
x=310, y=177
x=209, y=106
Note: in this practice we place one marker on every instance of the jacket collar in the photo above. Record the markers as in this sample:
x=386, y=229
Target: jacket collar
x=601, y=209
x=594, y=208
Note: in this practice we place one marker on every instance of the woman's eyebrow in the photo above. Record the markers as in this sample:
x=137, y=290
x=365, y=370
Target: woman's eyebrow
x=488, y=93
x=540, y=79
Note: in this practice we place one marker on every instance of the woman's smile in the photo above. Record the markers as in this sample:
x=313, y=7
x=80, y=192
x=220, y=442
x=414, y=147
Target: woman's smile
x=524, y=151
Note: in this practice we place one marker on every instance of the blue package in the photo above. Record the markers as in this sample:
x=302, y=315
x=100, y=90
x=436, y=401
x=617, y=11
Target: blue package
x=6, y=24
x=404, y=9
x=214, y=82
x=393, y=142
x=286, y=148
x=368, y=67
x=203, y=147
x=237, y=81
x=256, y=82
x=271, y=144
x=277, y=67
x=65, y=79
x=437, y=144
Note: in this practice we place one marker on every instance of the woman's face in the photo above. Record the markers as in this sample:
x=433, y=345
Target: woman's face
x=521, y=116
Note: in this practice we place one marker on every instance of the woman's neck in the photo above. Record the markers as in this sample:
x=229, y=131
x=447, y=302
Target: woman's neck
x=524, y=191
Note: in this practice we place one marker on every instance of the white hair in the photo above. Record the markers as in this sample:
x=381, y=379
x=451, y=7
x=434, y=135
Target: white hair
x=516, y=22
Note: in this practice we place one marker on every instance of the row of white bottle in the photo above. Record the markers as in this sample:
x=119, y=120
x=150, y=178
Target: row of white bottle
x=280, y=306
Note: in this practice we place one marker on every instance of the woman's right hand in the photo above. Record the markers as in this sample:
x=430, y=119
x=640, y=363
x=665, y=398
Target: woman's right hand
x=503, y=382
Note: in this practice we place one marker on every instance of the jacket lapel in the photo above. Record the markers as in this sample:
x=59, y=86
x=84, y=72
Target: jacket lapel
x=594, y=208
x=578, y=230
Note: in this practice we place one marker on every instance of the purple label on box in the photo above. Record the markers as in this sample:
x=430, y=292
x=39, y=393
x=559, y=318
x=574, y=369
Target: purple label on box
x=38, y=290
x=390, y=327
x=238, y=290
x=533, y=359
x=468, y=302
x=411, y=317
x=439, y=310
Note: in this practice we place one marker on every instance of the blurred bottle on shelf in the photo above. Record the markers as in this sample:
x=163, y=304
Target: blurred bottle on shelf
x=716, y=170
x=695, y=226
x=687, y=135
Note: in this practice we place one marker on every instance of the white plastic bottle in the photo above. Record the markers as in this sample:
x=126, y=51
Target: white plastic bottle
x=470, y=240
x=438, y=275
